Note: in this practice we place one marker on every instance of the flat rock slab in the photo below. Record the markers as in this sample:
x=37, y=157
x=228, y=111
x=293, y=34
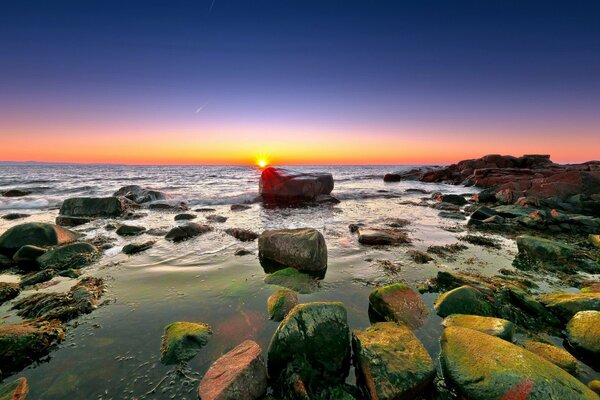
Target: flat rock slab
x=237, y=375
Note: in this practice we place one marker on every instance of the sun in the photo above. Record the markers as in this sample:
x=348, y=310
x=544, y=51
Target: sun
x=262, y=163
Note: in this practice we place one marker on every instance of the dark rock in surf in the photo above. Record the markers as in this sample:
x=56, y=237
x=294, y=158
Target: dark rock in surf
x=216, y=218
x=184, y=217
x=64, y=220
x=240, y=207
x=92, y=207
x=280, y=186
x=303, y=249
x=382, y=237
x=139, y=194
x=16, y=193
x=72, y=255
x=8, y=291
x=38, y=277
x=130, y=230
x=169, y=207
x=134, y=248
x=35, y=234
x=14, y=216
x=245, y=235
x=187, y=231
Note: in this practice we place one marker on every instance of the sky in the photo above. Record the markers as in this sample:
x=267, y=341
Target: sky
x=298, y=81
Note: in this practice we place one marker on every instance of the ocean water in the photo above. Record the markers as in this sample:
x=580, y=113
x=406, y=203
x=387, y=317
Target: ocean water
x=113, y=353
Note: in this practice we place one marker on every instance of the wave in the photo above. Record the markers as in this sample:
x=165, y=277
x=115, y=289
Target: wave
x=24, y=204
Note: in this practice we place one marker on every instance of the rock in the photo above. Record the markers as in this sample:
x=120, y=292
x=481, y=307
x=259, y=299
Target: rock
x=291, y=278
x=392, y=177
x=566, y=305
x=139, y=194
x=242, y=252
x=489, y=325
x=187, y=231
x=483, y=213
x=595, y=385
x=156, y=232
x=583, y=333
x=544, y=249
x=35, y=234
x=463, y=300
x=382, y=237
x=240, y=207
x=80, y=299
x=216, y=218
x=314, y=341
x=27, y=256
x=280, y=303
x=38, y=277
x=391, y=363
x=481, y=241
x=326, y=199
x=184, y=217
x=169, y=207
x=451, y=215
x=594, y=240
x=16, y=193
x=95, y=207
x=484, y=367
x=420, y=257
x=15, y=390
x=5, y=262
x=182, y=341
x=237, y=375
x=130, y=230
x=303, y=249
x=399, y=303
x=22, y=344
x=245, y=235
x=516, y=305
x=70, y=273
x=555, y=355
x=453, y=199
x=14, y=216
x=8, y=291
x=64, y=220
x=205, y=209
x=72, y=255
x=280, y=186
x=134, y=248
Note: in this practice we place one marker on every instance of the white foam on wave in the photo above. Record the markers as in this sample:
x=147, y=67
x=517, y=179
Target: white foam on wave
x=24, y=204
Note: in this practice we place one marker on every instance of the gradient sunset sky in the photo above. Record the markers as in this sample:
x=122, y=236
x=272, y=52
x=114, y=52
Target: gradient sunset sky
x=298, y=81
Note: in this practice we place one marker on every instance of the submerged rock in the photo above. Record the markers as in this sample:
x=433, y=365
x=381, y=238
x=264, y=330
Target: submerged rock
x=22, y=344
x=134, y=248
x=391, y=363
x=463, y=300
x=399, y=303
x=16, y=193
x=303, y=249
x=452, y=199
x=280, y=303
x=15, y=390
x=184, y=217
x=566, y=305
x=489, y=325
x=130, y=230
x=8, y=291
x=14, y=216
x=216, y=218
x=182, y=341
x=420, y=257
x=169, y=207
x=583, y=333
x=382, y=236
x=291, y=278
x=187, y=231
x=139, y=194
x=314, y=341
x=95, y=207
x=80, y=299
x=555, y=355
x=245, y=235
x=484, y=367
x=240, y=207
x=280, y=186
x=239, y=374
x=72, y=255
x=35, y=234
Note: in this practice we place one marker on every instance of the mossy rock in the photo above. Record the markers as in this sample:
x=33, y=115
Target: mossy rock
x=314, y=341
x=489, y=325
x=182, y=341
x=595, y=385
x=556, y=355
x=73, y=255
x=544, y=249
x=8, y=291
x=484, y=367
x=594, y=240
x=38, y=277
x=291, y=278
x=35, y=234
x=15, y=390
x=518, y=306
x=27, y=256
x=566, y=305
x=280, y=303
x=583, y=332
x=463, y=300
x=397, y=302
x=391, y=363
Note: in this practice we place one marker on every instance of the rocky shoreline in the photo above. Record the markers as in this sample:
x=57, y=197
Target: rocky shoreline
x=550, y=211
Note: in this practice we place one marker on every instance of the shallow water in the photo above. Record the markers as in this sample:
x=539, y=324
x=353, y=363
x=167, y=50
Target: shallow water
x=113, y=353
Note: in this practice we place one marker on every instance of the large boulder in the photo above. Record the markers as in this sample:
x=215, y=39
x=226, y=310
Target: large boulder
x=282, y=186
x=314, y=341
x=391, y=363
x=489, y=325
x=182, y=341
x=463, y=300
x=35, y=234
x=72, y=255
x=15, y=390
x=90, y=207
x=397, y=302
x=544, y=249
x=565, y=305
x=583, y=333
x=22, y=344
x=187, y=231
x=237, y=375
x=139, y=194
x=484, y=367
x=303, y=249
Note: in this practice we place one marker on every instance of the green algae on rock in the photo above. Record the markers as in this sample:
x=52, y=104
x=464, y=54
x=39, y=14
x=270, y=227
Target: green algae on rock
x=182, y=341
x=391, y=363
x=280, y=303
x=463, y=300
x=583, y=332
x=15, y=390
x=565, y=305
x=545, y=250
x=397, y=302
x=595, y=385
x=73, y=255
x=35, y=234
x=314, y=341
x=484, y=367
x=291, y=278
x=303, y=249
x=555, y=355
x=489, y=325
